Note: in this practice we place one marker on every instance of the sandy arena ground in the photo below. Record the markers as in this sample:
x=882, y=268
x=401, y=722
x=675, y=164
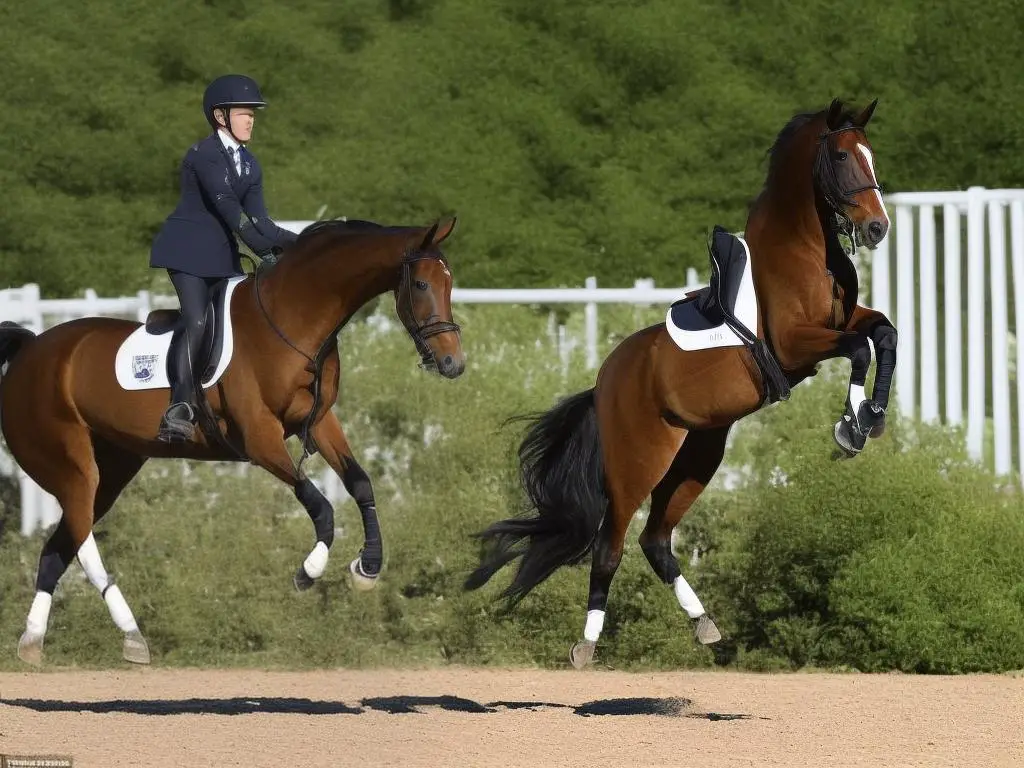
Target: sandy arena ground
x=469, y=717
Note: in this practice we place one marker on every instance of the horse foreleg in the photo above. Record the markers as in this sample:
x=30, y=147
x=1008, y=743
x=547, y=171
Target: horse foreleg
x=882, y=333
x=691, y=471
x=802, y=347
x=333, y=446
x=264, y=440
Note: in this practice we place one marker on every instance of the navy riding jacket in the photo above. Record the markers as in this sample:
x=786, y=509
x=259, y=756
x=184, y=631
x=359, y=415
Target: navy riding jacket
x=216, y=202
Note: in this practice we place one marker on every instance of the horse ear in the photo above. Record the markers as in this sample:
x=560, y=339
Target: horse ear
x=444, y=230
x=835, y=114
x=862, y=119
x=428, y=239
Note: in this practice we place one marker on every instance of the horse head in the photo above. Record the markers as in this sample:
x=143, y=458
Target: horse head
x=844, y=175
x=423, y=300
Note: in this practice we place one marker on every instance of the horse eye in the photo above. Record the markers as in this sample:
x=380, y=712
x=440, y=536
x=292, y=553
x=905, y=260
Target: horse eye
x=841, y=155
x=421, y=285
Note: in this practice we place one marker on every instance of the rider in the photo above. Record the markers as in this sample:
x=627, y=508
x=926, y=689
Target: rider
x=221, y=195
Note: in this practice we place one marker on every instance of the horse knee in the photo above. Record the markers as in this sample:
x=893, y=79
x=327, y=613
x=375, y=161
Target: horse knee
x=357, y=483
x=885, y=339
x=659, y=555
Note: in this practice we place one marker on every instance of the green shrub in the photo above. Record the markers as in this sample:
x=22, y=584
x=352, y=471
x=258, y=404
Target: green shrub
x=907, y=557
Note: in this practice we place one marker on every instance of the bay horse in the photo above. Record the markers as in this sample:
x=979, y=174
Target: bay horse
x=77, y=419
x=656, y=422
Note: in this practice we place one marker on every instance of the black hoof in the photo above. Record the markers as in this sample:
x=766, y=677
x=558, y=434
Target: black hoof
x=302, y=580
x=852, y=430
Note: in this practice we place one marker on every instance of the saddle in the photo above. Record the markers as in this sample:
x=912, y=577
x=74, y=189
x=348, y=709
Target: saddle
x=161, y=321
x=709, y=317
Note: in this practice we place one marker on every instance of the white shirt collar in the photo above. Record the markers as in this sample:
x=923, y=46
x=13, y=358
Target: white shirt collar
x=227, y=140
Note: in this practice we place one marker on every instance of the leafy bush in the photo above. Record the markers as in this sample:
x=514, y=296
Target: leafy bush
x=907, y=557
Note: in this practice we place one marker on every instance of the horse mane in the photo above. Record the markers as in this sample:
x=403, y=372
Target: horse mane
x=342, y=227
x=823, y=171
x=338, y=226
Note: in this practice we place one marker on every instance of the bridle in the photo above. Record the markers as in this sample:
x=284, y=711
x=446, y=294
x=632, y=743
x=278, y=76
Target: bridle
x=844, y=223
x=417, y=331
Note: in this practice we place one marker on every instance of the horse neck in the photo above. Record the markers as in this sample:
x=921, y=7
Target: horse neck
x=790, y=238
x=313, y=295
x=791, y=215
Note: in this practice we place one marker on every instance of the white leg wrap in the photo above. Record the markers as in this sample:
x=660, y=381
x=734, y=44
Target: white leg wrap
x=687, y=598
x=316, y=563
x=119, y=610
x=92, y=564
x=39, y=614
x=857, y=396
x=595, y=623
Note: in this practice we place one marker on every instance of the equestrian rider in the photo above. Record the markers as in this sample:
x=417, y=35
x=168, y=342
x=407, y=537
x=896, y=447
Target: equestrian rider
x=221, y=196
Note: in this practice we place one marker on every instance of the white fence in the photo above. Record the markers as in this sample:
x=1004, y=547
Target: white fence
x=930, y=359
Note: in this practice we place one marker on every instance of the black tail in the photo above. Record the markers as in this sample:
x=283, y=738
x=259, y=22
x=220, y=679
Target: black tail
x=12, y=338
x=562, y=473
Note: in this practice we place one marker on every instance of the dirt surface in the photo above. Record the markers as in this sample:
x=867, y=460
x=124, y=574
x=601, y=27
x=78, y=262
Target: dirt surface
x=471, y=717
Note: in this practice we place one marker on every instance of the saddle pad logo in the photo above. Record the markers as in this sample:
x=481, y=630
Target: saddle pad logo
x=144, y=366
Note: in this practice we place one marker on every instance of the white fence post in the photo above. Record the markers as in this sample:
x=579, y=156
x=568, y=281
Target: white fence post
x=975, y=322
x=1000, y=342
x=1017, y=258
x=951, y=310
x=590, y=320
x=929, y=321
x=906, y=323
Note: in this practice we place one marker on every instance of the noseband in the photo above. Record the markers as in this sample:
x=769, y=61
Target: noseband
x=417, y=331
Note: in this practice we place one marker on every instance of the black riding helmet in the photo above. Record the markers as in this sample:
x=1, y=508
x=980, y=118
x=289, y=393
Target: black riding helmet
x=231, y=91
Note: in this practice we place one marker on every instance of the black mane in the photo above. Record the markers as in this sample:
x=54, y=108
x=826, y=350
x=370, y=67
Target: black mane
x=338, y=225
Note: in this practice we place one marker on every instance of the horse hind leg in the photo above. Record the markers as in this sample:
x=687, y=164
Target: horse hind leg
x=85, y=490
x=692, y=469
x=632, y=468
x=116, y=467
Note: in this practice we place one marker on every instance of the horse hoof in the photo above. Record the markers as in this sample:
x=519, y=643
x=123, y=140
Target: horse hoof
x=360, y=581
x=706, y=631
x=302, y=580
x=136, y=649
x=582, y=653
x=30, y=649
x=877, y=431
x=842, y=436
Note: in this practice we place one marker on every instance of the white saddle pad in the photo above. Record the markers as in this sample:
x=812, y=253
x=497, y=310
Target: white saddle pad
x=141, y=361
x=721, y=335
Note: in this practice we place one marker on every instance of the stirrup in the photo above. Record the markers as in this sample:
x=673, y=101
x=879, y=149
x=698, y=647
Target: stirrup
x=175, y=427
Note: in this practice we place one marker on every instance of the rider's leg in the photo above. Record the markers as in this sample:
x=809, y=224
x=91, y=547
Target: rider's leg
x=194, y=298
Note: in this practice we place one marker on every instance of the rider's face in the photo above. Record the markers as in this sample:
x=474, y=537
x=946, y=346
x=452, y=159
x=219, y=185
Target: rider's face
x=242, y=119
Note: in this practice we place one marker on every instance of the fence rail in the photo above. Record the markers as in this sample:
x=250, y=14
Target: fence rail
x=941, y=285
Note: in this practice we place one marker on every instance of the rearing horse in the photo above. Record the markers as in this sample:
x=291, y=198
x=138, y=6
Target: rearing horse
x=657, y=420
x=80, y=418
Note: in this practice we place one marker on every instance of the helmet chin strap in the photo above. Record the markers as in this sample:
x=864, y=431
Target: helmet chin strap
x=227, y=123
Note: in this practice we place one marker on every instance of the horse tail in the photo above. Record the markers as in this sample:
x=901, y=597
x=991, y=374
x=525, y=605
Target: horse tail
x=562, y=473
x=12, y=338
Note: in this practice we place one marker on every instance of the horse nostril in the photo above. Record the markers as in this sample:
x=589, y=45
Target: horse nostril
x=875, y=230
x=446, y=363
